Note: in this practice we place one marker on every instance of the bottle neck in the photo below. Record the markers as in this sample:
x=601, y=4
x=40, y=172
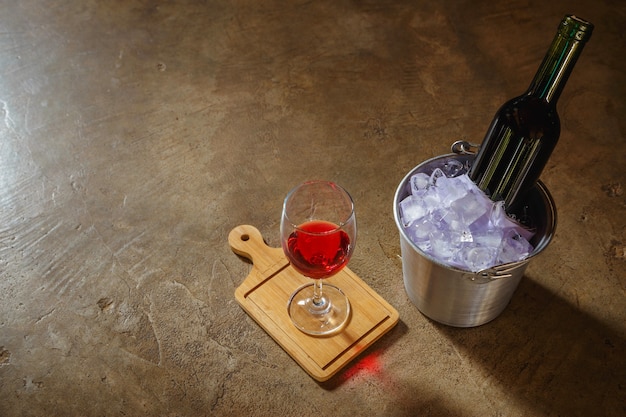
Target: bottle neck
x=560, y=59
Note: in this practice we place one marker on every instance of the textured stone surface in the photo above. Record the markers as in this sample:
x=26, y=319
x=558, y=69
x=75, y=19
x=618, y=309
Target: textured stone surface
x=135, y=135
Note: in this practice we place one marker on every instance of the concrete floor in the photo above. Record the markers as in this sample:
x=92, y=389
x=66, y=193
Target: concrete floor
x=135, y=135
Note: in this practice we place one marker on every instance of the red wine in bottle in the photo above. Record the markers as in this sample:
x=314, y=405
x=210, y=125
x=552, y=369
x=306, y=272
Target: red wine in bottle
x=525, y=130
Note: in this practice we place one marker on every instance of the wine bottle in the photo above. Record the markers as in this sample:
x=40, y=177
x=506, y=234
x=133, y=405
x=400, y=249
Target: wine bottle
x=525, y=130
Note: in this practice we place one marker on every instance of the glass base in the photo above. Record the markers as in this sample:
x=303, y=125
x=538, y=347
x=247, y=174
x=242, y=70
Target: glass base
x=322, y=319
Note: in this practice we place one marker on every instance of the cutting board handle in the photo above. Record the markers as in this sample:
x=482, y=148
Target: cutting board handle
x=247, y=241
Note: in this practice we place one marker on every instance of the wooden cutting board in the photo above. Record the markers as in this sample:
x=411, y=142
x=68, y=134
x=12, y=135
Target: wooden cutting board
x=264, y=295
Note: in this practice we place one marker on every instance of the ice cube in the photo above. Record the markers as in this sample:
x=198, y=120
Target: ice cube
x=466, y=182
x=412, y=208
x=454, y=222
x=430, y=198
x=419, y=181
x=498, y=215
x=449, y=190
x=470, y=207
x=491, y=238
x=444, y=244
x=476, y=258
x=514, y=248
x=419, y=232
x=453, y=168
x=436, y=174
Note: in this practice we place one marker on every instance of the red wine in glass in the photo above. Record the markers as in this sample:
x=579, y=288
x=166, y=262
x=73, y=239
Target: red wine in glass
x=318, y=249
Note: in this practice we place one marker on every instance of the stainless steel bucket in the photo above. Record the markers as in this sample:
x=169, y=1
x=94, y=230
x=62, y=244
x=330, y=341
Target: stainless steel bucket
x=461, y=298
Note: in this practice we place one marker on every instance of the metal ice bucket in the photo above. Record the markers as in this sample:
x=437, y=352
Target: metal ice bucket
x=461, y=298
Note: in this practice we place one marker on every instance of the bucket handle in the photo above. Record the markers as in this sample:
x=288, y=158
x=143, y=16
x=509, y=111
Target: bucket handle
x=492, y=274
x=497, y=272
x=486, y=275
x=463, y=147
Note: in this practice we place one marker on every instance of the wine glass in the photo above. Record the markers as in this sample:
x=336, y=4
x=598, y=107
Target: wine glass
x=318, y=234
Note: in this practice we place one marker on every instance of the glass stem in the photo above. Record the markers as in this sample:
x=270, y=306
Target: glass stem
x=318, y=301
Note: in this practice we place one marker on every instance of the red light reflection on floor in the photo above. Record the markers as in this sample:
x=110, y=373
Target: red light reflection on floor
x=367, y=365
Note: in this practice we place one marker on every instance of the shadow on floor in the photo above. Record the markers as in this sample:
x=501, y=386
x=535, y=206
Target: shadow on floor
x=552, y=357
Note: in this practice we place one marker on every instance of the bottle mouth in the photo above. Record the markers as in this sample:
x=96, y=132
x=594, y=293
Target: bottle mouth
x=574, y=27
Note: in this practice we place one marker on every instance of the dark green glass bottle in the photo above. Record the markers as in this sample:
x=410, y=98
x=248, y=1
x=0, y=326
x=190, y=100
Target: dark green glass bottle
x=525, y=130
